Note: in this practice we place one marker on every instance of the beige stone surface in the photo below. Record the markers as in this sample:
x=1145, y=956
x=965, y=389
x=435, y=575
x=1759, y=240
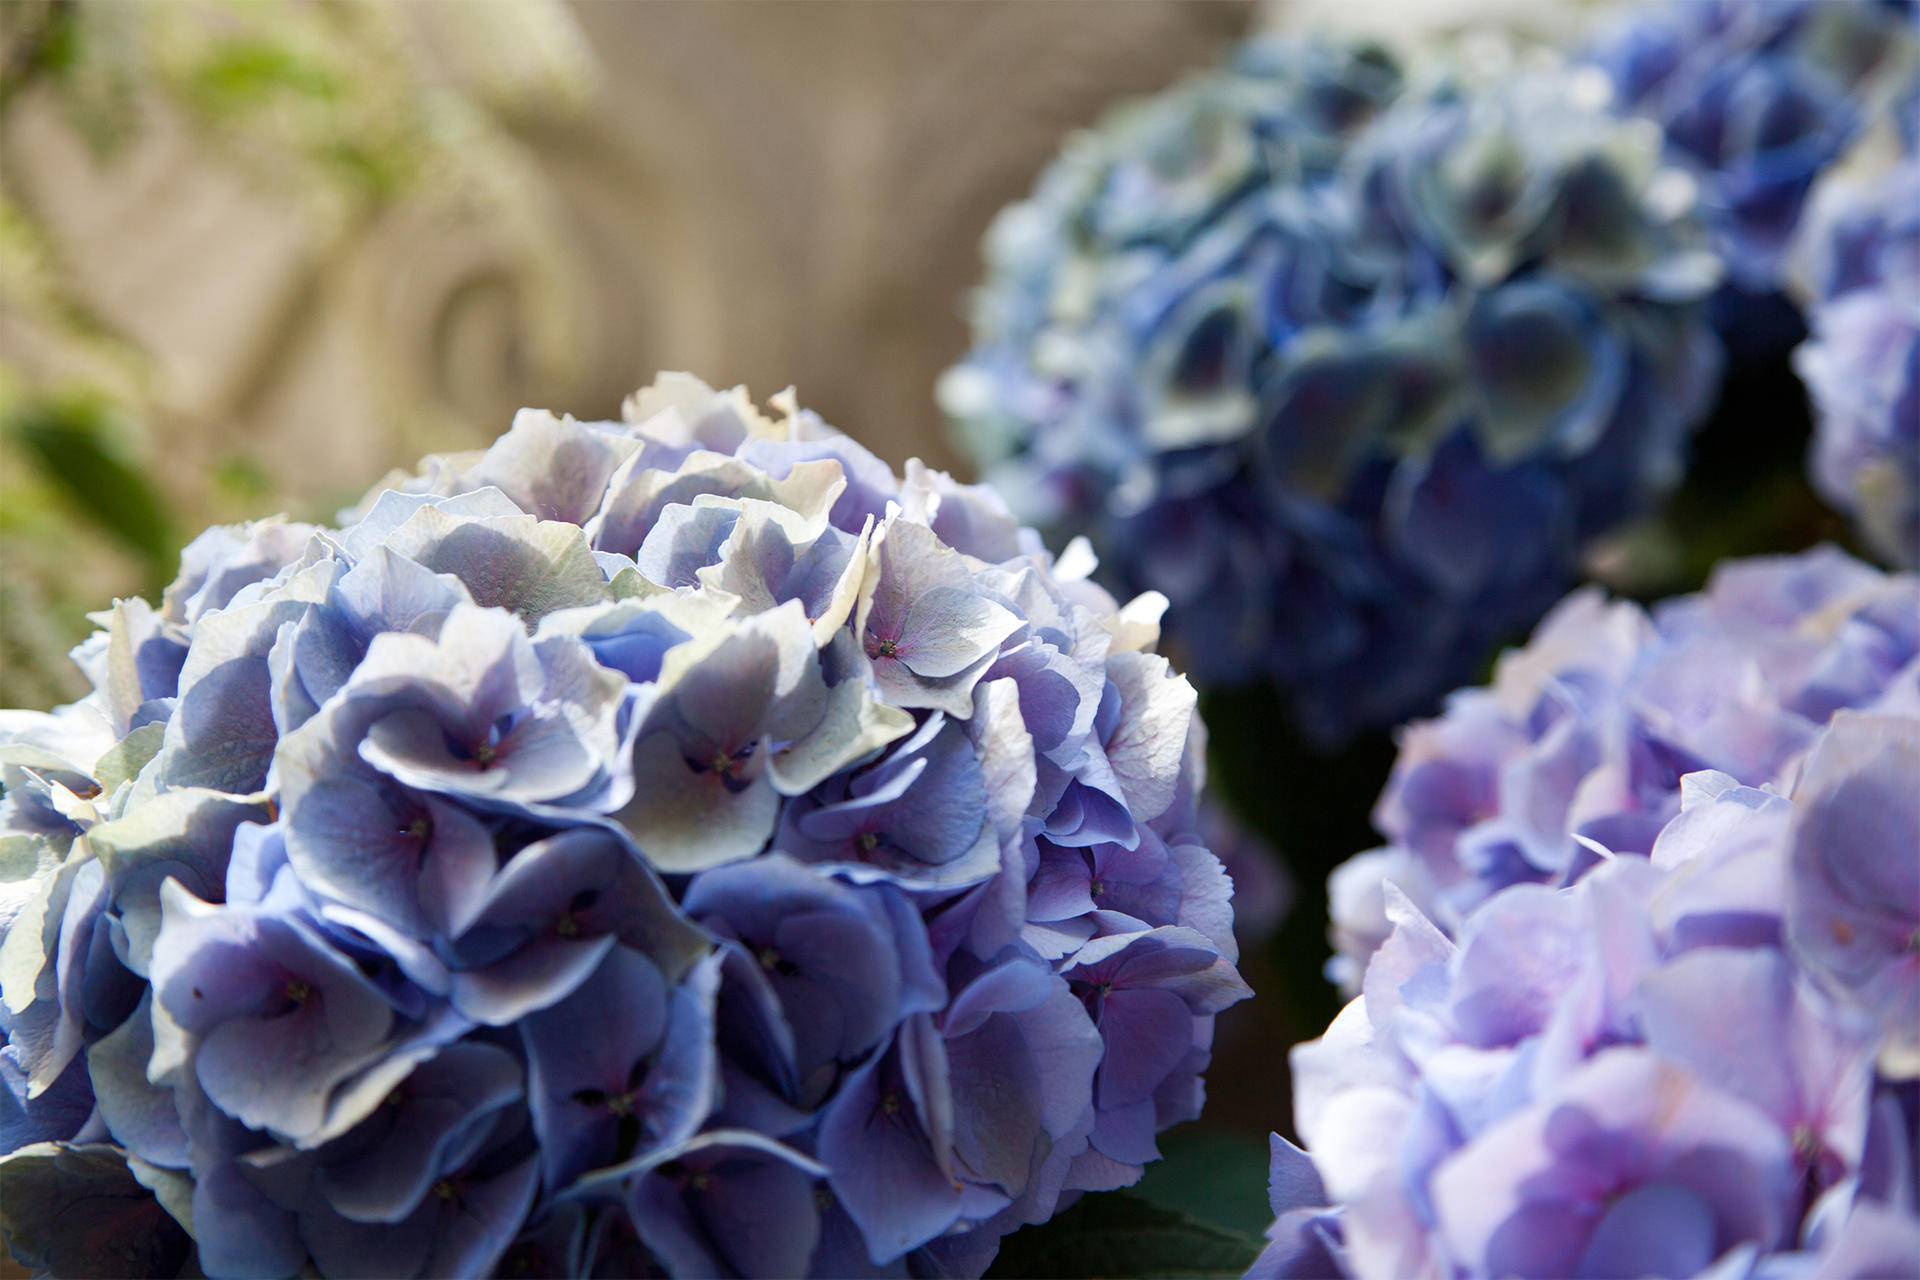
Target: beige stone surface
x=773, y=193
x=183, y=256
x=799, y=190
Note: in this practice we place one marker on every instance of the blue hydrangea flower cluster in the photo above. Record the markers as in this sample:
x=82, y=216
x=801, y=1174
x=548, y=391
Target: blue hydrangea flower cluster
x=1583, y=737
x=1700, y=1061
x=1348, y=364
x=1757, y=99
x=669, y=846
x=1862, y=362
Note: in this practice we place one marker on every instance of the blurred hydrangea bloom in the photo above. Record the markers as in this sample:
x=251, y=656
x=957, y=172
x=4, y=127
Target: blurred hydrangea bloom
x=1697, y=1061
x=1348, y=368
x=674, y=845
x=1585, y=733
x=1862, y=363
x=1757, y=100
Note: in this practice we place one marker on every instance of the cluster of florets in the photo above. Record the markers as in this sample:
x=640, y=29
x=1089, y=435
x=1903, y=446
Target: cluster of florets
x=1582, y=738
x=671, y=845
x=1862, y=362
x=1348, y=364
x=1757, y=99
x=1696, y=1061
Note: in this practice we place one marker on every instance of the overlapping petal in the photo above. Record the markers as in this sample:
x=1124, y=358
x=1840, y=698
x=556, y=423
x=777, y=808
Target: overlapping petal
x=567, y=862
x=1348, y=361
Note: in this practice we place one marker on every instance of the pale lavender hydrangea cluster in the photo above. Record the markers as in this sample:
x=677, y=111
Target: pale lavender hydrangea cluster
x=1862, y=362
x=1582, y=738
x=1699, y=1061
x=670, y=846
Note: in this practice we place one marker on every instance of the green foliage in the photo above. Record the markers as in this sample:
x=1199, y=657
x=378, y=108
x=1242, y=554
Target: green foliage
x=1217, y=1176
x=34, y=638
x=242, y=479
x=80, y=522
x=1122, y=1237
x=73, y=443
x=39, y=36
x=239, y=75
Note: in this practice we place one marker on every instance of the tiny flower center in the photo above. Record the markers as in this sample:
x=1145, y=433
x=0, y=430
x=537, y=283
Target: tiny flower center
x=298, y=991
x=568, y=923
x=866, y=842
x=1097, y=888
x=485, y=754
x=728, y=764
x=890, y=1102
x=420, y=828
x=443, y=1189
x=614, y=1104
x=1842, y=932
x=1806, y=1144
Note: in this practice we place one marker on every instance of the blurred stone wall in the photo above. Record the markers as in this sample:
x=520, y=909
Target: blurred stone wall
x=795, y=193
x=760, y=192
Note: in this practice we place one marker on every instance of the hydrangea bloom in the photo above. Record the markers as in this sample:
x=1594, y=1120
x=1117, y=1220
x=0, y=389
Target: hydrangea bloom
x=1695, y=1062
x=1347, y=369
x=1756, y=101
x=1585, y=733
x=1862, y=363
x=669, y=845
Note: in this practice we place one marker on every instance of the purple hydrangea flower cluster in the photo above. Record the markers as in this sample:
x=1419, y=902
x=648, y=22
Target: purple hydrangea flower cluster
x=1862, y=362
x=668, y=846
x=1757, y=99
x=1697, y=1062
x=1582, y=739
x=1349, y=364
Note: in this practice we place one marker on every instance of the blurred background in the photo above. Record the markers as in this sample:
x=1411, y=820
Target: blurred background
x=253, y=255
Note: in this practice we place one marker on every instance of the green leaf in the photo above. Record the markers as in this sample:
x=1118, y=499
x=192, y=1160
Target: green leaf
x=1216, y=1175
x=242, y=74
x=71, y=443
x=242, y=478
x=1122, y=1236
